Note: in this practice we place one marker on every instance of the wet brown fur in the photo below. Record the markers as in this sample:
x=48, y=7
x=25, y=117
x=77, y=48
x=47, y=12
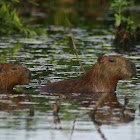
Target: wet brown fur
x=102, y=77
x=11, y=75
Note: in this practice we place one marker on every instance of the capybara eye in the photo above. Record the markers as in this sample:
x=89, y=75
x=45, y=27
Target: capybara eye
x=13, y=68
x=132, y=65
x=112, y=60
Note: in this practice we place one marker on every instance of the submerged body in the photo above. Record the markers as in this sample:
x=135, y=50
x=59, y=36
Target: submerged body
x=11, y=75
x=102, y=77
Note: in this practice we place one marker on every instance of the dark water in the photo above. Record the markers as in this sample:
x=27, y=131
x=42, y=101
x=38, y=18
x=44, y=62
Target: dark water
x=27, y=114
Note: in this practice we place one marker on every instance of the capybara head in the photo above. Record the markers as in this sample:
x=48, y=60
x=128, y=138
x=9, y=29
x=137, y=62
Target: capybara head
x=11, y=75
x=109, y=70
x=117, y=67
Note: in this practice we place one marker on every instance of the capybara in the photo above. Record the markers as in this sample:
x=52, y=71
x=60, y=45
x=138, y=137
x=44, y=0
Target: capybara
x=11, y=75
x=102, y=77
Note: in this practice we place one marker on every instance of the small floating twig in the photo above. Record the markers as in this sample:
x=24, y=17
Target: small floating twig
x=73, y=126
x=69, y=24
x=77, y=54
x=100, y=132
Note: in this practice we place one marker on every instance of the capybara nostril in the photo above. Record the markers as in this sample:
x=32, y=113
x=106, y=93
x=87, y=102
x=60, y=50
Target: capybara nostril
x=133, y=65
x=29, y=75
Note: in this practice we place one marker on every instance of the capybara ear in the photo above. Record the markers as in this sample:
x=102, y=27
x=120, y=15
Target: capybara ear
x=100, y=59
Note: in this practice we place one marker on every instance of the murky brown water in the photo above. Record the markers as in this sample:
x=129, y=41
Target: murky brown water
x=27, y=114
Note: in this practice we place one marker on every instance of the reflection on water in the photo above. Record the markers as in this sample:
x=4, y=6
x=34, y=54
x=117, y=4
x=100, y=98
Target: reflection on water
x=106, y=108
x=28, y=114
x=110, y=111
x=46, y=113
x=11, y=100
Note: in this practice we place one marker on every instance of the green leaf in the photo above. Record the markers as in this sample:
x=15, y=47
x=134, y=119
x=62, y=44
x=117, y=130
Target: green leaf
x=118, y=20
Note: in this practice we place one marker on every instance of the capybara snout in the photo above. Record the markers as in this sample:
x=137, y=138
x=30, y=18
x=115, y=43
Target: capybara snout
x=131, y=68
x=25, y=78
x=11, y=75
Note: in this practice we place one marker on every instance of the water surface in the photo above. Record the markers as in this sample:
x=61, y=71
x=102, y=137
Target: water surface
x=27, y=114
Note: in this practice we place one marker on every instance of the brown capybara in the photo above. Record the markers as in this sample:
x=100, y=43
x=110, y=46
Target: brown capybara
x=11, y=75
x=102, y=77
